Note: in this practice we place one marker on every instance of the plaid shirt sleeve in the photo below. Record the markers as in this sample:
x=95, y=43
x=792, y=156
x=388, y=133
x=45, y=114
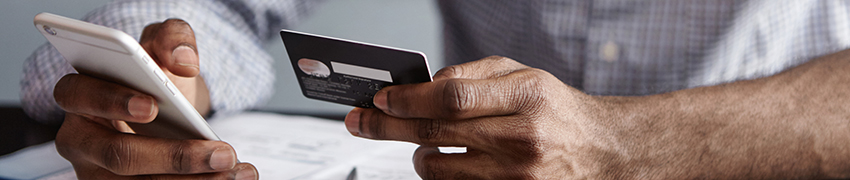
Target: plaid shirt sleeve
x=602, y=47
x=641, y=47
x=770, y=36
x=230, y=37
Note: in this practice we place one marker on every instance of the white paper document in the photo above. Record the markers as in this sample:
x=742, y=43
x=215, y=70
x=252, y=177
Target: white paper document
x=280, y=146
x=298, y=147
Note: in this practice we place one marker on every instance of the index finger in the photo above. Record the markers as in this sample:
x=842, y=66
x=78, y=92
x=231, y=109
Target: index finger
x=463, y=98
x=83, y=94
x=429, y=163
x=486, y=68
x=130, y=154
x=172, y=45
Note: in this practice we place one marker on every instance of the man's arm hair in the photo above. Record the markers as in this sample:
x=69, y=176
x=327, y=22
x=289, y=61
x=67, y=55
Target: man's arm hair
x=795, y=124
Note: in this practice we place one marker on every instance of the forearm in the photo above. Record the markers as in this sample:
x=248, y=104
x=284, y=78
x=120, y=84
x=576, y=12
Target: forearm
x=793, y=124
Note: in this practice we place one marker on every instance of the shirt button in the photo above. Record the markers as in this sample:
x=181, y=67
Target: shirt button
x=609, y=51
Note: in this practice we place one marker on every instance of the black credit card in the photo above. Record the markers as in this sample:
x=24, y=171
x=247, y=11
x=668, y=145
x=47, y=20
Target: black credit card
x=350, y=72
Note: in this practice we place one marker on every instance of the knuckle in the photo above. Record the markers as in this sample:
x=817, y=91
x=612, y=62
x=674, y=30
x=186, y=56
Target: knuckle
x=533, y=88
x=538, y=73
x=149, y=32
x=177, y=25
x=436, y=166
x=502, y=61
x=63, y=142
x=526, y=143
x=180, y=158
x=113, y=99
x=87, y=95
x=458, y=99
x=174, y=32
x=432, y=167
x=64, y=91
x=116, y=156
x=116, y=104
x=69, y=139
x=524, y=152
x=375, y=121
x=449, y=72
x=496, y=58
x=175, y=21
x=430, y=132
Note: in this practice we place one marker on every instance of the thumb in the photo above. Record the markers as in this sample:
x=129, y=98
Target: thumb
x=172, y=45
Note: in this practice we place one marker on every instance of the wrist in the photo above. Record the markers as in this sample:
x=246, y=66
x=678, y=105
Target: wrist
x=607, y=128
x=652, y=136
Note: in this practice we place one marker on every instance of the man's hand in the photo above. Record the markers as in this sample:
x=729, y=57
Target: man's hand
x=517, y=122
x=96, y=140
x=172, y=45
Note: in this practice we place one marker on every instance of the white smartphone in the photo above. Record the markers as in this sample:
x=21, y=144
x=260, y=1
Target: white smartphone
x=114, y=56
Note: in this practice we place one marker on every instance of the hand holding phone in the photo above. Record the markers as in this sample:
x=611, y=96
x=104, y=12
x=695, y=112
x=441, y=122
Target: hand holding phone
x=96, y=102
x=114, y=56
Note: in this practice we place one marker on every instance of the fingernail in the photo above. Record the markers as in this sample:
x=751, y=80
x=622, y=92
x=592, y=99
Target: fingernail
x=140, y=106
x=380, y=100
x=185, y=56
x=352, y=121
x=223, y=158
x=245, y=174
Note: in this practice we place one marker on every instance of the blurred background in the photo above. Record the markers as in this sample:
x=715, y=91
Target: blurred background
x=408, y=24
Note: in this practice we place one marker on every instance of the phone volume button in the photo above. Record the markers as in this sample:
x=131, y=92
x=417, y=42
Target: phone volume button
x=145, y=58
x=161, y=76
x=171, y=88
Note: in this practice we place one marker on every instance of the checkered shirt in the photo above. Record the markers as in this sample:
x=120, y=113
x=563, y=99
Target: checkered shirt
x=230, y=37
x=641, y=47
x=602, y=47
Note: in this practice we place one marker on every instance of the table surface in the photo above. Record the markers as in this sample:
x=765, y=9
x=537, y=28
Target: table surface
x=18, y=131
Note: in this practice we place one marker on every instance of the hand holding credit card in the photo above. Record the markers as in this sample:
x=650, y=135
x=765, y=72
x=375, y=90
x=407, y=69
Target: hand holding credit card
x=349, y=72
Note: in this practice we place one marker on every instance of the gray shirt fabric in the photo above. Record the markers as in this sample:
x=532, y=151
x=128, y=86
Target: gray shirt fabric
x=653, y=46
x=602, y=47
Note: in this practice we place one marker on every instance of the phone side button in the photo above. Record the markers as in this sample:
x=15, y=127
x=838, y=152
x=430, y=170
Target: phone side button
x=160, y=75
x=144, y=55
x=145, y=59
x=171, y=88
